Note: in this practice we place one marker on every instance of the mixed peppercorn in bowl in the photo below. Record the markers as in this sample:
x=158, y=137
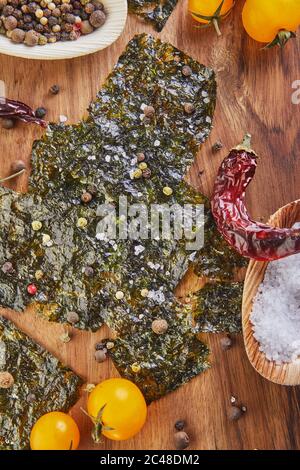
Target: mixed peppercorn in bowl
x=26, y=23
x=42, y=21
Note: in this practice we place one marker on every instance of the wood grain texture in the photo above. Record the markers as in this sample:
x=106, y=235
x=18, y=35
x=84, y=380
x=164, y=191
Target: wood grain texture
x=254, y=95
x=284, y=374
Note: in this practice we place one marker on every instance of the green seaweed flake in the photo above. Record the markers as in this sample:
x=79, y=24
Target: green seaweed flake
x=101, y=154
x=155, y=12
x=218, y=308
x=41, y=384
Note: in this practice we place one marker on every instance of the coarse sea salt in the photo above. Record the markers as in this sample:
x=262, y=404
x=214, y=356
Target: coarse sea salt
x=276, y=311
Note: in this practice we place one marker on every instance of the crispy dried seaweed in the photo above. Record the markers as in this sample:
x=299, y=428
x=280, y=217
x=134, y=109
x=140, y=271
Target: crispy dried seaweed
x=40, y=384
x=155, y=12
x=73, y=266
x=218, y=308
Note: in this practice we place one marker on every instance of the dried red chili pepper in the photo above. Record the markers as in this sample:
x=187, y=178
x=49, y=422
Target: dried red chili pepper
x=251, y=239
x=18, y=110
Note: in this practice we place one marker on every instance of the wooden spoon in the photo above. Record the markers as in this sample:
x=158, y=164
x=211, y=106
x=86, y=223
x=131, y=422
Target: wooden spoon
x=285, y=373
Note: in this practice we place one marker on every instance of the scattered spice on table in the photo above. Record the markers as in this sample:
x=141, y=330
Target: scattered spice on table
x=226, y=342
x=12, y=109
x=7, y=123
x=180, y=425
x=217, y=146
x=55, y=89
x=44, y=21
x=181, y=440
x=276, y=311
x=235, y=413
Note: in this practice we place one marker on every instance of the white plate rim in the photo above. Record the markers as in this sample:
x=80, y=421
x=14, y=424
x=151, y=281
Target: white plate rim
x=100, y=39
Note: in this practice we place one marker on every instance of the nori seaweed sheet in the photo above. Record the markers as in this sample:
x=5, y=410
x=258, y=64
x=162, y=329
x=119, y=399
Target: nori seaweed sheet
x=219, y=308
x=155, y=12
x=101, y=152
x=41, y=384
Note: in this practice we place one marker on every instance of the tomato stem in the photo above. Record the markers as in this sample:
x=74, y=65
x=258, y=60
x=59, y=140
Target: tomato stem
x=281, y=39
x=216, y=26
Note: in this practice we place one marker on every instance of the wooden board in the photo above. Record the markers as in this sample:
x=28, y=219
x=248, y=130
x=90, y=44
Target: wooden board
x=254, y=95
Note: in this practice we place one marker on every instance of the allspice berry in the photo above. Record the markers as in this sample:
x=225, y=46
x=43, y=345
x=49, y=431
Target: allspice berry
x=186, y=71
x=86, y=27
x=100, y=356
x=17, y=166
x=17, y=35
x=10, y=23
x=189, y=108
x=31, y=38
x=7, y=268
x=234, y=413
x=7, y=123
x=72, y=317
x=159, y=326
x=97, y=18
x=181, y=440
x=226, y=343
x=146, y=173
x=149, y=111
x=86, y=197
x=140, y=157
x=6, y=380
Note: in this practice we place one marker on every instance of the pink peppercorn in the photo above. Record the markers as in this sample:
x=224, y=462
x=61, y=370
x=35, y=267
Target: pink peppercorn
x=32, y=289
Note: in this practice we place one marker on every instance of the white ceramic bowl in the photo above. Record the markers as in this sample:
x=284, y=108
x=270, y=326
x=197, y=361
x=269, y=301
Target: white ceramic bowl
x=99, y=39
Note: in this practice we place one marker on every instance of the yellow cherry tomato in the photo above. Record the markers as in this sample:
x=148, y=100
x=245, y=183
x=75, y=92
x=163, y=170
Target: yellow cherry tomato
x=208, y=8
x=264, y=19
x=55, y=431
x=123, y=406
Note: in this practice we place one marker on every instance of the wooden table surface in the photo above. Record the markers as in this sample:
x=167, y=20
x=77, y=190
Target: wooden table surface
x=254, y=95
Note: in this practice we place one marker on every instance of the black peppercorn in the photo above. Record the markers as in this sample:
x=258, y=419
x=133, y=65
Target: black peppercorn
x=100, y=346
x=179, y=425
x=54, y=90
x=52, y=21
x=70, y=18
x=32, y=7
x=27, y=19
x=217, y=146
x=40, y=112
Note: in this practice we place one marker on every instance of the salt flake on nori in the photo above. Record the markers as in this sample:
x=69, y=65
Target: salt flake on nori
x=40, y=384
